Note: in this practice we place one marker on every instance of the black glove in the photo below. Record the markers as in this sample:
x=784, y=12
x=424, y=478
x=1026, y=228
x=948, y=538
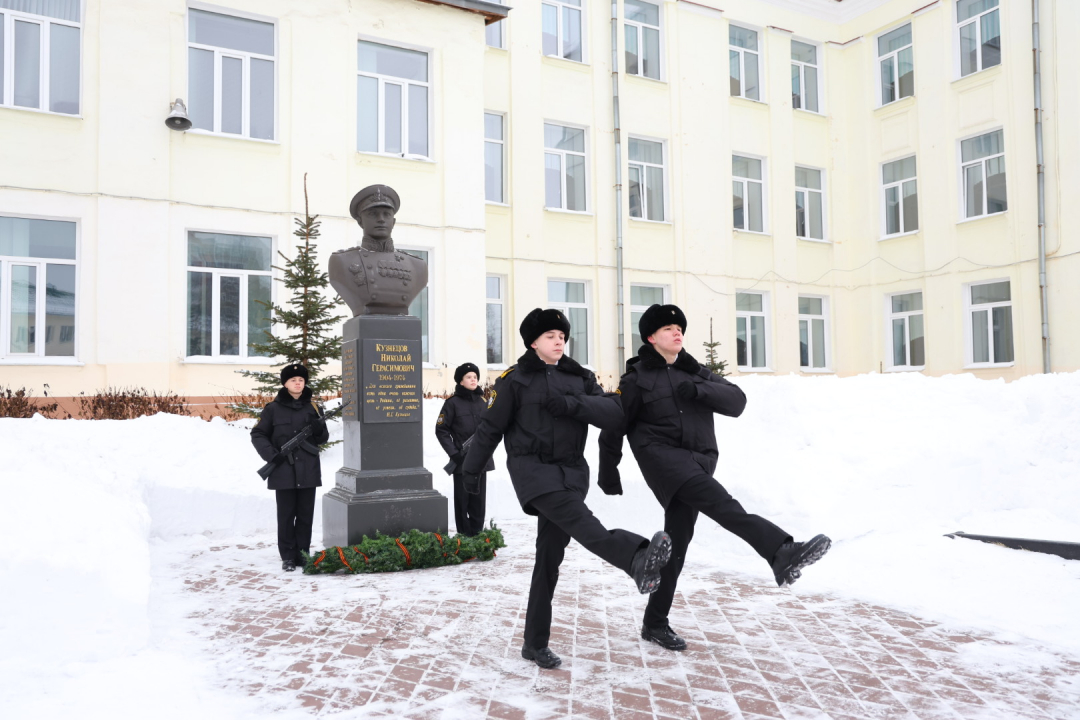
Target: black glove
x=687, y=390
x=319, y=422
x=457, y=458
x=609, y=480
x=471, y=483
x=558, y=405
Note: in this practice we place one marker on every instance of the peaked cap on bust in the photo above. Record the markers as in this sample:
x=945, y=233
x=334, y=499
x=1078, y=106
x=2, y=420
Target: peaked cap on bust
x=374, y=196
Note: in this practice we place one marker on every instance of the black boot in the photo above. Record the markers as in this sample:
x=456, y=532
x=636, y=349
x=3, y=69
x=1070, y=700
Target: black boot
x=792, y=557
x=665, y=637
x=648, y=561
x=288, y=565
x=542, y=657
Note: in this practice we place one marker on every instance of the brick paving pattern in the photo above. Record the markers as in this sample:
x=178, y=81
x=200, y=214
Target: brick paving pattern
x=445, y=643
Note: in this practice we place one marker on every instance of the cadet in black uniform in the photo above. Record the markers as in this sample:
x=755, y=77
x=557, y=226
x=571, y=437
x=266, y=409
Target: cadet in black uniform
x=543, y=406
x=293, y=482
x=668, y=403
x=457, y=422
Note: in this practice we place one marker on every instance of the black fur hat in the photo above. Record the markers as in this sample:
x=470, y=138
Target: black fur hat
x=657, y=316
x=538, y=322
x=293, y=370
x=463, y=369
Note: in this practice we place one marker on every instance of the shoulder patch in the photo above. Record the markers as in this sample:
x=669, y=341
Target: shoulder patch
x=442, y=417
x=491, y=400
x=618, y=391
x=507, y=371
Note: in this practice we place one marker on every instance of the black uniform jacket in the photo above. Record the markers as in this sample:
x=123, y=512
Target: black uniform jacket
x=458, y=419
x=280, y=420
x=672, y=439
x=543, y=453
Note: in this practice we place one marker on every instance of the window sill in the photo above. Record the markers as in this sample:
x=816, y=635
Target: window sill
x=755, y=370
x=561, y=211
x=40, y=111
x=899, y=235
x=978, y=73
x=905, y=368
x=896, y=104
x=35, y=360
x=811, y=113
x=963, y=221
x=816, y=241
x=209, y=360
x=646, y=78
x=749, y=100
x=815, y=371
x=756, y=233
x=647, y=221
x=492, y=203
x=988, y=366
x=496, y=47
x=579, y=64
x=230, y=136
x=391, y=156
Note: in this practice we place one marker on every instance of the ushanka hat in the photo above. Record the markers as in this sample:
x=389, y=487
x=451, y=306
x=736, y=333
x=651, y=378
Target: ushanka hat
x=294, y=370
x=464, y=369
x=374, y=196
x=538, y=322
x=657, y=316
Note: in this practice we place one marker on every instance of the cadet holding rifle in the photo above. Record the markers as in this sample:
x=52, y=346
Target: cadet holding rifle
x=298, y=474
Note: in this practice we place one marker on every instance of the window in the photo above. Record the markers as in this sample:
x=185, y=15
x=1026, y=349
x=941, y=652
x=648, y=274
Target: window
x=228, y=287
x=231, y=74
x=896, y=65
x=564, y=167
x=646, y=179
x=743, y=55
x=979, y=30
x=804, y=76
x=813, y=333
x=392, y=99
x=36, y=253
x=494, y=34
x=990, y=310
x=809, y=204
x=420, y=306
x=907, y=343
x=570, y=298
x=748, y=192
x=496, y=314
x=40, y=54
x=562, y=28
x=751, y=329
x=982, y=169
x=641, y=298
x=642, y=30
x=901, y=199
x=494, y=158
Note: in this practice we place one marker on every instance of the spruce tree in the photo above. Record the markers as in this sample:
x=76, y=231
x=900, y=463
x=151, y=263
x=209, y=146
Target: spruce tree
x=712, y=360
x=310, y=336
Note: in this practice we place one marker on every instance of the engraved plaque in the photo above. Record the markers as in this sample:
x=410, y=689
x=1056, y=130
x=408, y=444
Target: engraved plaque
x=391, y=380
x=350, y=381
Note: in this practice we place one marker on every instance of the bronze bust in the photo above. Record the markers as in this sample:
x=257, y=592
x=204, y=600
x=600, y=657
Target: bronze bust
x=374, y=278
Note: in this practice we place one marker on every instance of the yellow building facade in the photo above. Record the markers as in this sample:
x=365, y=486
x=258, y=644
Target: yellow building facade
x=836, y=187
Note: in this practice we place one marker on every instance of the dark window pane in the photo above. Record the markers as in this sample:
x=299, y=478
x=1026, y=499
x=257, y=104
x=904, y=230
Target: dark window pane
x=232, y=252
x=60, y=310
x=200, y=306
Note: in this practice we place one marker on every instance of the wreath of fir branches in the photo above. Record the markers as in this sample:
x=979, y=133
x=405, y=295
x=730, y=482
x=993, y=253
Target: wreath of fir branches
x=410, y=551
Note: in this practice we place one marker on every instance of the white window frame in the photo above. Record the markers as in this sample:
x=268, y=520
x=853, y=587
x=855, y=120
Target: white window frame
x=642, y=166
x=906, y=315
x=564, y=307
x=743, y=52
x=977, y=19
x=639, y=30
x=899, y=185
x=38, y=357
x=895, y=56
x=7, y=33
x=404, y=83
x=806, y=204
x=560, y=6
x=802, y=77
x=503, y=157
x=562, y=179
x=502, y=303
x=747, y=314
x=432, y=289
x=969, y=320
x=499, y=28
x=764, y=182
x=245, y=58
x=666, y=294
x=215, y=309
x=824, y=317
x=980, y=161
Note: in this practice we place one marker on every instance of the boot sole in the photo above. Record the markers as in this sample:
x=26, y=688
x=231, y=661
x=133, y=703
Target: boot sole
x=656, y=557
x=650, y=638
x=815, y=549
x=531, y=657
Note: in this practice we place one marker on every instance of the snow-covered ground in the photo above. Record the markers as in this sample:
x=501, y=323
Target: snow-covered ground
x=885, y=465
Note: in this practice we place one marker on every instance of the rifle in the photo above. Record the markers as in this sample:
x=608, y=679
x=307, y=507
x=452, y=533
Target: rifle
x=451, y=466
x=299, y=441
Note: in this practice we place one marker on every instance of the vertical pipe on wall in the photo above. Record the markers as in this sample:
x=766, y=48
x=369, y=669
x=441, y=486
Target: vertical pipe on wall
x=1043, y=302
x=619, y=304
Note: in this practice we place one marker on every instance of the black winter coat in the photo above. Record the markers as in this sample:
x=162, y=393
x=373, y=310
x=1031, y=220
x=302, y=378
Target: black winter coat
x=672, y=439
x=544, y=453
x=279, y=422
x=458, y=419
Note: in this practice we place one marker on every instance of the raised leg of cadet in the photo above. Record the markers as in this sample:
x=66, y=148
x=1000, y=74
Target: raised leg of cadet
x=709, y=497
x=568, y=510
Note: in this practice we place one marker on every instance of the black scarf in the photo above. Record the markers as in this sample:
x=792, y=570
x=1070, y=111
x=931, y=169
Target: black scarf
x=531, y=362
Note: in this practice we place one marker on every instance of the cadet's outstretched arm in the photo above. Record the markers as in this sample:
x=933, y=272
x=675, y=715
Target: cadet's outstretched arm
x=721, y=396
x=595, y=406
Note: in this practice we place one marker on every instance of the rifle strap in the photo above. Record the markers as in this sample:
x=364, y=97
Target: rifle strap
x=317, y=413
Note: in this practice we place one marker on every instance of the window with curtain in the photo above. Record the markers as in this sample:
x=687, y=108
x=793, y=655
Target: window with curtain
x=751, y=331
x=744, y=62
x=646, y=179
x=748, y=193
x=804, y=76
x=41, y=55
x=494, y=158
x=991, y=326
x=809, y=204
x=982, y=170
x=896, y=65
x=900, y=196
x=562, y=24
x=907, y=341
x=978, y=29
x=392, y=100
x=813, y=333
x=642, y=38
x=564, y=167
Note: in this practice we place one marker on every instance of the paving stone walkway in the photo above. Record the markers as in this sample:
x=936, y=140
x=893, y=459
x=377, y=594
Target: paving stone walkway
x=444, y=643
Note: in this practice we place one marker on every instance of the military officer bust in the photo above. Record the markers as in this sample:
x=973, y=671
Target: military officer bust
x=376, y=279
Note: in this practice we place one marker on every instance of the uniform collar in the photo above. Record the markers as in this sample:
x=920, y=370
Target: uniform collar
x=531, y=362
x=652, y=360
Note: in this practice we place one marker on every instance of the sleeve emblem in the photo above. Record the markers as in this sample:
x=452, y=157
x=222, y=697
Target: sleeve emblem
x=491, y=400
x=442, y=417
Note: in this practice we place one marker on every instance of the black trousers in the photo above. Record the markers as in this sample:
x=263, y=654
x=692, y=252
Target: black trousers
x=704, y=494
x=295, y=510
x=469, y=509
x=564, y=515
